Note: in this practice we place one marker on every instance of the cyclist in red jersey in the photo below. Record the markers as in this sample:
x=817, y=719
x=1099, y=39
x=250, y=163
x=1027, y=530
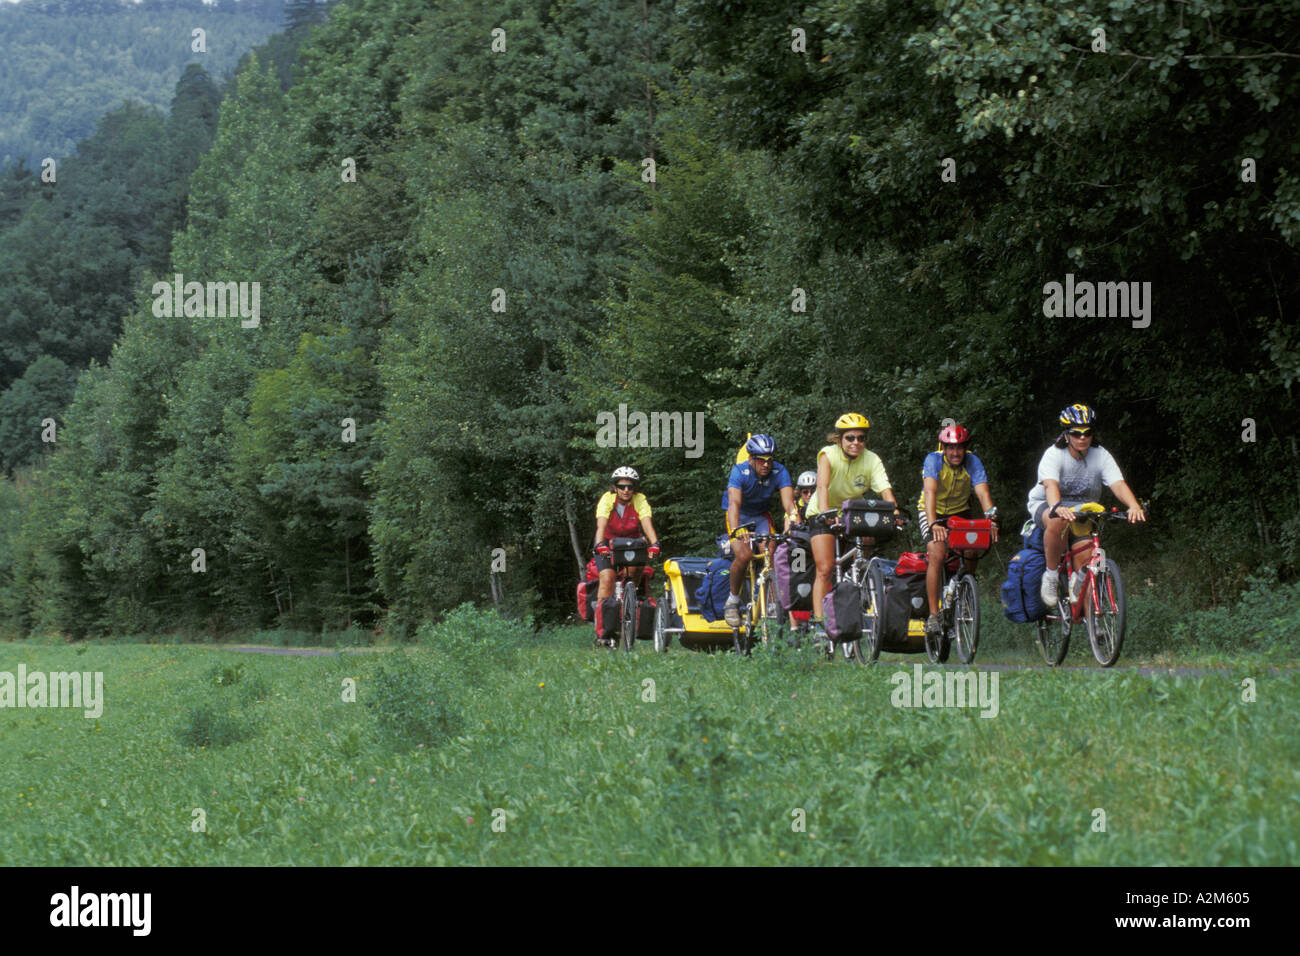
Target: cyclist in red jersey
x=622, y=512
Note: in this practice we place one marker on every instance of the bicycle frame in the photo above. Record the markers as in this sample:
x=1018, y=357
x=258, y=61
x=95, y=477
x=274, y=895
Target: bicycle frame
x=756, y=609
x=1065, y=568
x=1100, y=602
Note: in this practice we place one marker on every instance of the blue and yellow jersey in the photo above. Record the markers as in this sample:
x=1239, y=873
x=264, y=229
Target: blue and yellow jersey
x=955, y=484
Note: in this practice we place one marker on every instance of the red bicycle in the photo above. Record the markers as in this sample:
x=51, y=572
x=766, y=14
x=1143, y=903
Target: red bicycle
x=632, y=575
x=1099, y=602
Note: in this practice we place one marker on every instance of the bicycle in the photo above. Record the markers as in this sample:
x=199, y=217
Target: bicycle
x=959, y=601
x=866, y=523
x=626, y=589
x=762, y=613
x=1100, y=601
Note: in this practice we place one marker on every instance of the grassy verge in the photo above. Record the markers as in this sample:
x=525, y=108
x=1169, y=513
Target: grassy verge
x=489, y=745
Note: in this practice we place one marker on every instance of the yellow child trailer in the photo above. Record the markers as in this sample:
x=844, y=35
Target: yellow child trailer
x=679, y=614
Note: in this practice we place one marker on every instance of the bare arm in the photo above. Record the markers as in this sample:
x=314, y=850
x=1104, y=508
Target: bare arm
x=648, y=527
x=930, y=490
x=1053, y=489
x=986, y=502
x=733, y=511
x=787, y=505
x=1125, y=494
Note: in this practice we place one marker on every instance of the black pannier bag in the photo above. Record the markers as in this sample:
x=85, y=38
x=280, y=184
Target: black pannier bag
x=868, y=518
x=645, y=618
x=629, y=552
x=607, y=618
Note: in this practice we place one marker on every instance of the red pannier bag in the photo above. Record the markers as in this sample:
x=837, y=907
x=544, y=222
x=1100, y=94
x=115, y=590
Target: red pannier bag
x=587, y=592
x=970, y=537
x=916, y=562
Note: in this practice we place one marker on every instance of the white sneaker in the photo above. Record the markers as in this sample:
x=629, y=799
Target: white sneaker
x=1076, y=585
x=1047, y=590
x=731, y=611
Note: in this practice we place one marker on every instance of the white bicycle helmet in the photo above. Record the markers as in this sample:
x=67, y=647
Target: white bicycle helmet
x=625, y=472
x=807, y=480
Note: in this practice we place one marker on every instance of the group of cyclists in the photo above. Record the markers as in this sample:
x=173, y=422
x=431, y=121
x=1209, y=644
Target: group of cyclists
x=1071, y=472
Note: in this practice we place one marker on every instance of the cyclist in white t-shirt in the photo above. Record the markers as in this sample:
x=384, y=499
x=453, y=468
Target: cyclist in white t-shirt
x=1072, y=472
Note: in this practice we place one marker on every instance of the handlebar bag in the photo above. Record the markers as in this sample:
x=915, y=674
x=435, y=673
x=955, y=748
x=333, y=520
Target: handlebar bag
x=628, y=552
x=967, y=535
x=868, y=517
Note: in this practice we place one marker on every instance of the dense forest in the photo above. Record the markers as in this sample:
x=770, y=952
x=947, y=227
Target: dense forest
x=476, y=228
x=65, y=63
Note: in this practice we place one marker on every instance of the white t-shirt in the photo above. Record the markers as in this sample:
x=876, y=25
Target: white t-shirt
x=1080, y=480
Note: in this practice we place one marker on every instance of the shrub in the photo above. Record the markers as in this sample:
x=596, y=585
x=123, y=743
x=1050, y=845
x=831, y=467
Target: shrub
x=470, y=640
x=410, y=701
x=1265, y=618
x=210, y=725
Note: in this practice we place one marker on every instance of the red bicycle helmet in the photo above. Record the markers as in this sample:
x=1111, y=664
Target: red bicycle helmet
x=954, y=435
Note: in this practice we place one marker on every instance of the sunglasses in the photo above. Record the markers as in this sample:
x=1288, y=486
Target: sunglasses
x=855, y=438
x=1080, y=432
x=763, y=458
x=625, y=487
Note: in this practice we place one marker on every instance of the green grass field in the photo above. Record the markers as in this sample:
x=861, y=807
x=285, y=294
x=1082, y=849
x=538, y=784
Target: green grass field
x=486, y=744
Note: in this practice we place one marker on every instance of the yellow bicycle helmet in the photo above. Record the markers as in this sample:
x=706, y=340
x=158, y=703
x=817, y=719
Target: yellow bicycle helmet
x=851, y=420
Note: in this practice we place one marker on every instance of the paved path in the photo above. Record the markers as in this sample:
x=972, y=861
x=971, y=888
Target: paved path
x=294, y=651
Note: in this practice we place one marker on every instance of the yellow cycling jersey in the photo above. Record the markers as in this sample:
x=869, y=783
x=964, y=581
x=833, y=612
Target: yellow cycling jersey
x=850, y=478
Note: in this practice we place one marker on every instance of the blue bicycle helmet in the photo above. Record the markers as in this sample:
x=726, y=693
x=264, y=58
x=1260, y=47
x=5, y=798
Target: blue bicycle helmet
x=761, y=445
x=1078, y=416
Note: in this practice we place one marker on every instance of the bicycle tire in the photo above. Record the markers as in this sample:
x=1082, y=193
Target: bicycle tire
x=966, y=618
x=1054, y=635
x=937, y=646
x=663, y=616
x=627, y=620
x=770, y=613
x=1106, y=614
x=873, y=604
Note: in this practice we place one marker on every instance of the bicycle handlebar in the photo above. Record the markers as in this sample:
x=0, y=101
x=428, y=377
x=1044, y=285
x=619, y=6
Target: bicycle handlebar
x=1109, y=514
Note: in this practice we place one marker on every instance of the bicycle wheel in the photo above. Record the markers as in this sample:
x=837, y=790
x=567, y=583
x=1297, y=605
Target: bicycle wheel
x=770, y=614
x=938, y=645
x=628, y=618
x=663, y=616
x=1054, y=634
x=873, y=607
x=966, y=618
x=1105, y=616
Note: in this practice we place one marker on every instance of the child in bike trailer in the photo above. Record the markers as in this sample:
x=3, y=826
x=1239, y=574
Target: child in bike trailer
x=621, y=512
x=805, y=487
x=1072, y=472
x=749, y=490
x=948, y=476
x=845, y=470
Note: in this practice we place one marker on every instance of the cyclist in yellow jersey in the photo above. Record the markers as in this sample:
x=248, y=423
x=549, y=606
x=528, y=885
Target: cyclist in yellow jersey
x=948, y=478
x=845, y=470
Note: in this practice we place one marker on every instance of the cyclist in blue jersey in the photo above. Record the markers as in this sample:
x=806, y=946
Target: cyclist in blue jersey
x=749, y=489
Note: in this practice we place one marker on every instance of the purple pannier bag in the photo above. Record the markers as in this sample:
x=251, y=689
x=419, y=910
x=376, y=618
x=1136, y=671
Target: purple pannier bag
x=794, y=571
x=843, y=611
